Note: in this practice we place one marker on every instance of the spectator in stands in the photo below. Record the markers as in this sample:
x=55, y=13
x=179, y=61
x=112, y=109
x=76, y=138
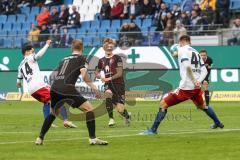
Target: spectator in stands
x=157, y=5
x=158, y=15
x=176, y=12
x=53, y=19
x=8, y=7
x=208, y=5
x=235, y=40
x=124, y=15
x=184, y=19
x=63, y=16
x=134, y=9
x=179, y=30
x=55, y=35
x=168, y=34
x=66, y=39
x=42, y=18
x=162, y=22
x=146, y=9
x=187, y=5
x=74, y=18
x=170, y=18
x=222, y=12
x=105, y=10
x=196, y=22
x=44, y=35
x=124, y=28
x=197, y=8
x=117, y=9
x=33, y=35
x=24, y=3
x=136, y=36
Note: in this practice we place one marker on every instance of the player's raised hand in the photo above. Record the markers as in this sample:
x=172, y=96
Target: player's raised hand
x=49, y=42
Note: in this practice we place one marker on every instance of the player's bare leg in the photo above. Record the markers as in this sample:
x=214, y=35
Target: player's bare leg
x=211, y=113
x=90, y=121
x=121, y=109
x=206, y=92
x=46, y=125
x=159, y=117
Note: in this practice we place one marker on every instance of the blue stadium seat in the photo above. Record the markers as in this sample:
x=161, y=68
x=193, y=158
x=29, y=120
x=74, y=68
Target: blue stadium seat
x=35, y=11
x=31, y=19
x=147, y=23
x=116, y=23
x=82, y=30
x=7, y=43
x=145, y=31
x=126, y=21
x=21, y=18
x=95, y=24
x=152, y=30
x=1, y=26
x=12, y=34
x=88, y=41
x=67, y=2
x=113, y=30
x=26, y=26
x=97, y=42
x=105, y=24
x=72, y=32
x=92, y=32
x=234, y=5
x=18, y=42
x=3, y=18
x=97, y=16
x=7, y=27
x=138, y=22
x=80, y=36
x=86, y=24
x=3, y=33
x=11, y=18
x=17, y=27
x=25, y=10
x=102, y=31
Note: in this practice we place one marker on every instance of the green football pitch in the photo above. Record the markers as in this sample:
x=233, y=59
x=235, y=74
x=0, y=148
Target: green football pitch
x=183, y=135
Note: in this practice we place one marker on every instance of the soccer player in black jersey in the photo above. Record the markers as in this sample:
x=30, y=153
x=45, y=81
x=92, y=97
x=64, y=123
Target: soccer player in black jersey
x=208, y=63
x=63, y=91
x=112, y=66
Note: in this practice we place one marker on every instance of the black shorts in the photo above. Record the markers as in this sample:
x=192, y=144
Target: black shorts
x=118, y=91
x=72, y=98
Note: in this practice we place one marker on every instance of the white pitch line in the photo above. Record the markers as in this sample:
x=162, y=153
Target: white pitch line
x=129, y=135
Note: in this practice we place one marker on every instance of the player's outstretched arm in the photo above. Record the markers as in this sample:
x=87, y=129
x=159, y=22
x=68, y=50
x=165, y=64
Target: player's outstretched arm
x=87, y=79
x=203, y=73
x=43, y=50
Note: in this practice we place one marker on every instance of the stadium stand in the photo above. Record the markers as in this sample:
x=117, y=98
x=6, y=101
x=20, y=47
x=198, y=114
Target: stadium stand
x=91, y=24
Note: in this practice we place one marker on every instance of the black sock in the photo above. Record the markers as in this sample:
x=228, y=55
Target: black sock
x=46, y=125
x=206, y=94
x=90, y=121
x=109, y=107
x=125, y=114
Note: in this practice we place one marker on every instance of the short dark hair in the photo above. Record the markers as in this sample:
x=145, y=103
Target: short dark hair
x=185, y=38
x=203, y=51
x=77, y=45
x=26, y=47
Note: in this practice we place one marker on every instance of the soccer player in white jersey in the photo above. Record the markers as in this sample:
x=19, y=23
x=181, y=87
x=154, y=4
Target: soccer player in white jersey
x=192, y=73
x=30, y=72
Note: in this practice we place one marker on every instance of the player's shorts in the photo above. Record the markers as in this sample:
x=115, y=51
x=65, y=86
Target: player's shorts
x=118, y=91
x=180, y=95
x=42, y=95
x=71, y=97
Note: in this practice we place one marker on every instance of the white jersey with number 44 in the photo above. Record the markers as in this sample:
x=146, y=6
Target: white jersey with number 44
x=188, y=56
x=30, y=72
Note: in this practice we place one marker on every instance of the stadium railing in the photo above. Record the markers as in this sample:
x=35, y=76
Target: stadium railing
x=144, y=38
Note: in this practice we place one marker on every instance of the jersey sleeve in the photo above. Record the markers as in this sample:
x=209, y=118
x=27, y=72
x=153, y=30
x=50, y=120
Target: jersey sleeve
x=183, y=55
x=119, y=61
x=100, y=66
x=19, y=76
x=82, y=62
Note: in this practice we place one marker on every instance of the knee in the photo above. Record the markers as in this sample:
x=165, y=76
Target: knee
x=163, y=104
